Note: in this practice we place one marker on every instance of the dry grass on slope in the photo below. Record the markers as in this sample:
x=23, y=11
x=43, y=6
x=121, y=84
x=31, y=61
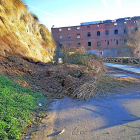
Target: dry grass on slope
x=21, y=33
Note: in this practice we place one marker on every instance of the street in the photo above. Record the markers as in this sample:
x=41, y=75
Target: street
x=113, y=117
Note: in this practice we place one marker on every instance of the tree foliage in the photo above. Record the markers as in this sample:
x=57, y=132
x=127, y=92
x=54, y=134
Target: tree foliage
x=132, y=37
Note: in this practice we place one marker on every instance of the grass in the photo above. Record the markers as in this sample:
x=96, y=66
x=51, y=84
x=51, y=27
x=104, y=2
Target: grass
x=16, y=106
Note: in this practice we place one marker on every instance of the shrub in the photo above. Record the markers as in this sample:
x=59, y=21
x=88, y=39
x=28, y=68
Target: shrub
x=78, y=56
x=35, y=17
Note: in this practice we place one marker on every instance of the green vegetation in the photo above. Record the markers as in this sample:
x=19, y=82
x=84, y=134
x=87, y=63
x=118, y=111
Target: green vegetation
x=16, y=106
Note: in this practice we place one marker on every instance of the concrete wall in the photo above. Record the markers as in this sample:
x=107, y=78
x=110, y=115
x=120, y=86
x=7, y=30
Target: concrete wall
x=114, y=52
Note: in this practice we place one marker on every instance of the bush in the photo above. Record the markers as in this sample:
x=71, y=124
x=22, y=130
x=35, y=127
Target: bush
x=78, y=56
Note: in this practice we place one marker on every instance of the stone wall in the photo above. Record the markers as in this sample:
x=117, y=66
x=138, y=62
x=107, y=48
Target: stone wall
x=114, y=52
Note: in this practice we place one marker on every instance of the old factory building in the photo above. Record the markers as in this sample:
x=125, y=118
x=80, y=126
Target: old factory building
x=105, y=38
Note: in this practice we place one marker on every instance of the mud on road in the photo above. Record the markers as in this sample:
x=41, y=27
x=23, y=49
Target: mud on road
x=104, y=118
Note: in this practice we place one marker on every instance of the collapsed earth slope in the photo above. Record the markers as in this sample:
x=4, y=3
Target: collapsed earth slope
x=21, y=33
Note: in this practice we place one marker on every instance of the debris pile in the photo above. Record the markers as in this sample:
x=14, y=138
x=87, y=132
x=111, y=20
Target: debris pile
x=52, y=79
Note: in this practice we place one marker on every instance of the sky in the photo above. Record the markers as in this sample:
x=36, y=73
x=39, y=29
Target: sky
x=63, y=13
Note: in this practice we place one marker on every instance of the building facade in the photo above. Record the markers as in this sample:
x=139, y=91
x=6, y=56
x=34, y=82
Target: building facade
x=104, y=38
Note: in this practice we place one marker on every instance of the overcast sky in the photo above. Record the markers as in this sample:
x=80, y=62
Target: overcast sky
x=63, y=13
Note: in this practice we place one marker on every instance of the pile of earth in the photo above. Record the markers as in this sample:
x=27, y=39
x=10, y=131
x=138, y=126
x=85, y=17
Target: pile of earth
x=53, y=80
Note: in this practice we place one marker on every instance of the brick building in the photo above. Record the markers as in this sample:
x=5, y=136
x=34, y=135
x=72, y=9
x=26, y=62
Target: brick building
x=105, y=38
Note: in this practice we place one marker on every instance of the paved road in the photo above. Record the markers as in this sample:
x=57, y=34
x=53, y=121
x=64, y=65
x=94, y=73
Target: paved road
x=111, y=118
x=132, y=69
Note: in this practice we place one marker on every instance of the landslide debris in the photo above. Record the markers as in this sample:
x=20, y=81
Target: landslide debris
x=52, y=79
x=55, y=80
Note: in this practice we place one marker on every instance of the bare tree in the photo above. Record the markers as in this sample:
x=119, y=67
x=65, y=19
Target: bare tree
x=132, y=38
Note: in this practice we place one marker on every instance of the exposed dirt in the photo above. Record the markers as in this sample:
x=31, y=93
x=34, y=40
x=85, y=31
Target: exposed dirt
x=52, y=79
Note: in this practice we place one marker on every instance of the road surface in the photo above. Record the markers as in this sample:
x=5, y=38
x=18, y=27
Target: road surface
x=114, y=117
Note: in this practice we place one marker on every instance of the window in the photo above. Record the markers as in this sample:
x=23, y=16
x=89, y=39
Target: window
x=125, y=31
x=78, y=35
x=60, y=36
x=78, y=28
x=78, y=44
x=116, y=42
x=60, y=29
x=107, y=32
x=88, y=27
x=107, y=42
x=88, y=34
x=135, y=21
x=106, y=25
x=69, y=28
x=69, y=45
x=98, y=43
x=98, y=33
x=115, y=23
x=98, y=25
x=89, y=44
x=136, y=29
x=125, y=41
x=69, y=36
x=116, y=31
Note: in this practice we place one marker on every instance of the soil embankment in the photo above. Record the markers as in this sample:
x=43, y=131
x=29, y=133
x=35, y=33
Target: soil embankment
x=21, y=33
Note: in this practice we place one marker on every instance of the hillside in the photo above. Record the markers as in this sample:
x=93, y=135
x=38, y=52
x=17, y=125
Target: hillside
x=21, y=33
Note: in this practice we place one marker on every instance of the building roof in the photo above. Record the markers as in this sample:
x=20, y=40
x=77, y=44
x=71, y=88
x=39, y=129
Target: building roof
x=104, y=21
x=108, y=21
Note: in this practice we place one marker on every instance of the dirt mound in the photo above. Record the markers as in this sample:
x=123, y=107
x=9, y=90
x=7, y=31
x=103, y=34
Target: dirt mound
x=52, y=79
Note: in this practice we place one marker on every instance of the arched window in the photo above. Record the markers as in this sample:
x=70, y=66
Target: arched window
x=60, y=36
x=136, y=29
x=98, y=43
x=107, y=32
x=69, y=36
x=125, y=31
x=125, y=41
x=88, y=34
x=116, y=42
x=69, y=45
x=78, y=44
x=116, y=31
x=98, y=33
x=89, y=44
x=107, y=42
x=78, y=35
